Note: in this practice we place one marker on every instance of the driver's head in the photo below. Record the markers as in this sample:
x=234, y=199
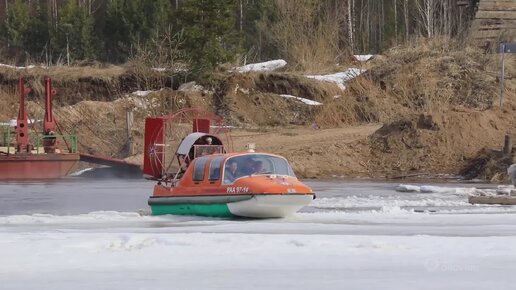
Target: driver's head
x=258, y=166
x=233, y=166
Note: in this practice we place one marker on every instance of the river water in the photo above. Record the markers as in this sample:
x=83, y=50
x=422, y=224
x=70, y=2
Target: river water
x=76, y=195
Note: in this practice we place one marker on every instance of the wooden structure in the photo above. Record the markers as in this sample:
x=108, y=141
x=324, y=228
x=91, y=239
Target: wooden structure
x=494, y=21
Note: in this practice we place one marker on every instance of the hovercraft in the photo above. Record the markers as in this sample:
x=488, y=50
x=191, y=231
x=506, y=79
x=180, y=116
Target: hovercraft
x=207, y=180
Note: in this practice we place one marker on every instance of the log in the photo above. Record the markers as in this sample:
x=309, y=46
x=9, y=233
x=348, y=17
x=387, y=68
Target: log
x=501, y=200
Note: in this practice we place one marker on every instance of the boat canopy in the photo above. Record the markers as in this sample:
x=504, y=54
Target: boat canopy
x=255, y=164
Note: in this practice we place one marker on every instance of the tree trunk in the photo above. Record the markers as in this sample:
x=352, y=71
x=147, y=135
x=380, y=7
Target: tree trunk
x=395, y=21
x=241, y=16
x=406, y=14
x=350, y=27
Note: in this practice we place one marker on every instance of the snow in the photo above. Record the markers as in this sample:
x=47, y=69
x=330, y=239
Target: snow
x=224, y=127
x=239, y=261
x=339, y=78
x=159, y=69
x=80, y=172
x=364, y=57
x=12, y=123
x=142, y=93
x=271, y=65
x=307, y=251
x=190, y=86
x=355, y=235
x=17, y=67
x=303, y=100
x=136, y=98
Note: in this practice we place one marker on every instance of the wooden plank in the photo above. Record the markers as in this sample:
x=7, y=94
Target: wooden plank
x=495, y=14
x=496, y=2
x=495, y=5
x=488, y=22
x=491, y=33
x=493, y=8
x=495, y=27
x=502, y=200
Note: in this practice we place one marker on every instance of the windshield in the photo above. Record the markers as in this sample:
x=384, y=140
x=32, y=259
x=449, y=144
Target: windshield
x=255, y=164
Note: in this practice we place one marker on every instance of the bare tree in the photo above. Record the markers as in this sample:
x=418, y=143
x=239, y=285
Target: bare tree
x=426, y=10
x=350, y=25
x=395, y=4
x=305, y=33
x=406, y=15
x=241, y=20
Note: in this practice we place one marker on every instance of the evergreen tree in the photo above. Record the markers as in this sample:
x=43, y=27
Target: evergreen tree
x=75, y=32
x=209, y=32
x=253, y=13
x=16, y=24
x=117, y=32
x=157, y=17
x=37, y=37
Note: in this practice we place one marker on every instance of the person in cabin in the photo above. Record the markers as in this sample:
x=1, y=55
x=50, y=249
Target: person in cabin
x=231, y=172
x=248, y=167
x=258, y=167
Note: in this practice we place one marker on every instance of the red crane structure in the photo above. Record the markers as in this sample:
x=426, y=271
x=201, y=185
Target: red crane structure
x=37, y=156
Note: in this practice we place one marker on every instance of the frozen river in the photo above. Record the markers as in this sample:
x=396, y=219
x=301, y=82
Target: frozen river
x=356, y=235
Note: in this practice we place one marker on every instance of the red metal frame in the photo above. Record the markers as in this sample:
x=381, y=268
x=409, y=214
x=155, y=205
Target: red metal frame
x=22, y=129
x=201, y=125
x=155, y=128
x=49, y=124
x=154, y=138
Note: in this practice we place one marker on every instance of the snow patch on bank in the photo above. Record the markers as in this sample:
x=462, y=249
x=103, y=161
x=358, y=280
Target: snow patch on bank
x=364, y=57
x=12, y=123
x=271, y=65
x=18, y=67
x=340, y=78
x=138, y=98
x=303, y=100
x=143, y=93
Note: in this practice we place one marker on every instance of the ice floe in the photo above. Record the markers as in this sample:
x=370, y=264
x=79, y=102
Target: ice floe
x=435, y=189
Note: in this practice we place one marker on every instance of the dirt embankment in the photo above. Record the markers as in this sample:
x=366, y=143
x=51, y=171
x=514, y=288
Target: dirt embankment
x=426, y=108
x=435, y=143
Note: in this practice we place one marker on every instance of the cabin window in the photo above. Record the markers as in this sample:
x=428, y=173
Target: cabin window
x=200, y=164
x=215, y=165
x=255, y=164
